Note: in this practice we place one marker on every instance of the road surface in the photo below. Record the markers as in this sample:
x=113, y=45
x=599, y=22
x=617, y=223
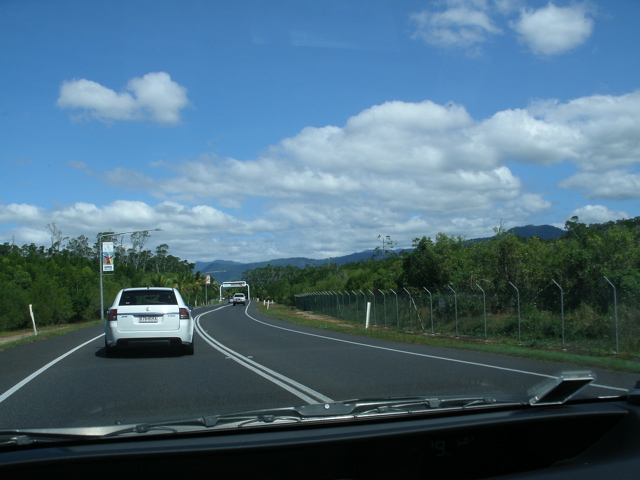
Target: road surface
x=245, y=360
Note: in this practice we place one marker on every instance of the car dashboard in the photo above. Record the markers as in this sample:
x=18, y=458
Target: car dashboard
x=583, y=439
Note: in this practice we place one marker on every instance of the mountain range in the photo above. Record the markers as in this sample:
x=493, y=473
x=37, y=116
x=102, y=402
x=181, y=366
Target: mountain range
x=226, y=270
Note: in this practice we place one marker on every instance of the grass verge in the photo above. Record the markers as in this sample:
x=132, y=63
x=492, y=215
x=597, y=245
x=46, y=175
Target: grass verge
x=19, y=337
x=325, y=322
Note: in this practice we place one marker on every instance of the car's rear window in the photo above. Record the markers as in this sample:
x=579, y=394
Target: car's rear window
x=148, y=297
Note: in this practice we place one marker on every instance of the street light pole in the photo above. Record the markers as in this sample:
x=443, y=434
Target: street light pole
x=111, y=234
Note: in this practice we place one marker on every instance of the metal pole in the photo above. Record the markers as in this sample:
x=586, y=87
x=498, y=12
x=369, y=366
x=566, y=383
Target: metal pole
x=397, y=313
x=561, y=309
x=357, y=309
x=384, y=306
x=100, y=235
x=615, y=312
x=349, y=297
x=100, y=267
x=410, y=321
x=431, y=310
x=455, y=299
x=518, y=293
x=375, y=320
x=484, y=302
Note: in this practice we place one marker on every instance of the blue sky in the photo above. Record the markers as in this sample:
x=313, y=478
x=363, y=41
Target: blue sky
x=253, y=130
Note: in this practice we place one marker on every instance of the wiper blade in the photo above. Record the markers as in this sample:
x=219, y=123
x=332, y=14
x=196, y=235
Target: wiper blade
x=555, y=391
x=319, y=412
x=222, y=421
x=22, y=438
x=420, y=404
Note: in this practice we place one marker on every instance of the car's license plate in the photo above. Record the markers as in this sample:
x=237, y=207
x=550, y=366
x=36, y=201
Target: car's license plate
x=148, y=320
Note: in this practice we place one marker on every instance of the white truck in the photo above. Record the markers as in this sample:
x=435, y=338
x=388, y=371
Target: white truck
x=239, y=298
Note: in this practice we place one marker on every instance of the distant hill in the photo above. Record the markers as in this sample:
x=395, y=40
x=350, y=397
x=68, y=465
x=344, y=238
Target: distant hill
x=544, y=232
x=226, y=270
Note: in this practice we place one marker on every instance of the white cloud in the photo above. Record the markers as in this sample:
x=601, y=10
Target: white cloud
x=519, y=135
x=468, y=24
x=189, y=227
x=153, y=97
x=611, y=185
x=405, y=167
x=462, y=24
x=20, y=213
x=398, y=168
x=606, y=128
x=598, y=214
x=553, y=30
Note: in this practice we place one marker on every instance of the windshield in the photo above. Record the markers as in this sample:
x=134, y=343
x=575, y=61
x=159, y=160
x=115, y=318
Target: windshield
x=346, y=200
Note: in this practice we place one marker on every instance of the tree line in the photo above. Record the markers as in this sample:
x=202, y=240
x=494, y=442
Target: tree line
x=503, y=265
x=62, y=281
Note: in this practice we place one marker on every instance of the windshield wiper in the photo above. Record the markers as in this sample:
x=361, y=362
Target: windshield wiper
x=418, y=404
x=346, y=410
x=554, y=391
x=320, y=412
x=22, y=438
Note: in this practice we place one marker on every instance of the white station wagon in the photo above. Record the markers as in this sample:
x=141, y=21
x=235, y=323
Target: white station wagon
x=149, y=316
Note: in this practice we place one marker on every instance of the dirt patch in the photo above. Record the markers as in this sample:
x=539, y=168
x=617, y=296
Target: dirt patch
x=320, y=318
x=327, y=319
x=14, y=337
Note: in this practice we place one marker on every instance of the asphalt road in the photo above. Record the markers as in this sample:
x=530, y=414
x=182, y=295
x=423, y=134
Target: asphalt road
x=244, y=360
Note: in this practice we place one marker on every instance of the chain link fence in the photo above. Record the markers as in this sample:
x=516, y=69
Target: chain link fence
x=611, y=327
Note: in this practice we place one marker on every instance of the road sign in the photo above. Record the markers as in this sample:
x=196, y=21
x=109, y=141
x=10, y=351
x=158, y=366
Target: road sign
x=234, y=284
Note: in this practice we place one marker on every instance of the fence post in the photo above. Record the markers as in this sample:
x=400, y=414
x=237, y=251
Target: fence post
x=484, y=304
x=455, y=299
x=615, y=311
x=397, y=312
x=410, y=321
x=561, y=309
x=518, y=293
x=375, y=320
x=431, y=310
x=348, y=309
x=33, y=320
x=357, y=309
x=366, y=322
x=384, y=306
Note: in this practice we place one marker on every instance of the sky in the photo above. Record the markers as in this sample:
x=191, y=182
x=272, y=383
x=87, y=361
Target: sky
x=254, y=130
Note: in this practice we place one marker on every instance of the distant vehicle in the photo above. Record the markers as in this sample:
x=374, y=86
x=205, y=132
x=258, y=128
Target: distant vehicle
x=239, y=298
x=149, y=316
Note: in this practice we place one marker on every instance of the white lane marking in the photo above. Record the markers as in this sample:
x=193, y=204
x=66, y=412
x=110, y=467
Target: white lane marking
x=301, y=391
x=18, y=386
x=434, y=357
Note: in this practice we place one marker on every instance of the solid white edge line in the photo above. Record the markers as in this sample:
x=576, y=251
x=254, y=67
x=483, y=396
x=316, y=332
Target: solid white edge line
x=435, y=357
x=21, y=384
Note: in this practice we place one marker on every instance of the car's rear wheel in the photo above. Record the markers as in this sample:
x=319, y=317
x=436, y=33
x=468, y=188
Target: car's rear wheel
x=188, y=349
x=108, y=351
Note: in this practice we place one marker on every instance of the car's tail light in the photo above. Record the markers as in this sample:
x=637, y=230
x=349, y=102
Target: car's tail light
x=184, y=314
x=113, y=315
